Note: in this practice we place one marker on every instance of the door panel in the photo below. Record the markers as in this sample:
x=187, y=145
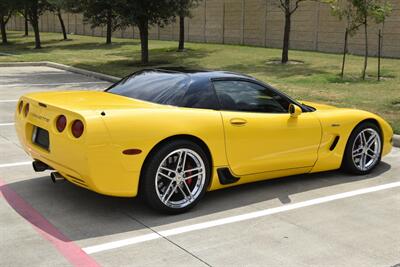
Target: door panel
x=262, y=142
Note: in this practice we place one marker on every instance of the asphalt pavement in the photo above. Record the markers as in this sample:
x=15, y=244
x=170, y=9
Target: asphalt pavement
x=324, y=219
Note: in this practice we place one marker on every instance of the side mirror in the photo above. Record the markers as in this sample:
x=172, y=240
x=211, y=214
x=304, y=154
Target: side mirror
x=294, y=111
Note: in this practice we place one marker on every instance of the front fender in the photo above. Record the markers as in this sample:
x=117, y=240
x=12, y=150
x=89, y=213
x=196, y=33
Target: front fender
x=340, y=123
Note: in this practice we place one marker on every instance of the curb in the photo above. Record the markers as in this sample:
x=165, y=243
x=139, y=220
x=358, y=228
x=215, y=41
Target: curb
x=88, y=73
x=104, y=77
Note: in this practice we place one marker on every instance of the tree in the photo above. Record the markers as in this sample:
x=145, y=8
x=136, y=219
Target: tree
x=288, y=7
x=35, y=9
x=99, y=13
x=376, y=10
x=184, y=10
x=57, y=6
x=7, y=8
x=344, y=9
x=24, y=13
x=146, y=13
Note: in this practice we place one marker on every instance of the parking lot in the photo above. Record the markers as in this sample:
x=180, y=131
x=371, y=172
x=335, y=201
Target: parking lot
x=321, y=219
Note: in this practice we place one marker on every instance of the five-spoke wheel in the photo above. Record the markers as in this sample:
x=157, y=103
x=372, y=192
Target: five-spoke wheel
x=176, y=176
x=180, y=178
x=364, y=147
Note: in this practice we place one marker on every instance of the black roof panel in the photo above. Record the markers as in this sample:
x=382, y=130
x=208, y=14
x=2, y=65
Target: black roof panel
x=202, y=73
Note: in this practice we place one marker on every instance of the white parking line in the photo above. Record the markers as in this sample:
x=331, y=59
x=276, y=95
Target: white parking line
x=48, y=84
x=15, y=164
x=8, y=100
x=233, y=219
x=7, y=124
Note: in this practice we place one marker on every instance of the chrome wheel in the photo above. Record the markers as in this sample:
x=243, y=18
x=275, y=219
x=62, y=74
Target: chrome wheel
x=366, y=149
x=180, y=178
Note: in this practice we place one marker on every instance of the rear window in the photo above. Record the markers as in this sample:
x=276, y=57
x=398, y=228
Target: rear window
x=153, y=86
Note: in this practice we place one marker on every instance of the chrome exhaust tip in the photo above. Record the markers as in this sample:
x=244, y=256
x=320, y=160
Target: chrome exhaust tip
x=55, y=176
x=39, y=166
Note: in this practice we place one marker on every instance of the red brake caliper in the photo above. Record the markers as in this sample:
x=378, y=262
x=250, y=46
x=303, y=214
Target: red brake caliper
x=189, y=181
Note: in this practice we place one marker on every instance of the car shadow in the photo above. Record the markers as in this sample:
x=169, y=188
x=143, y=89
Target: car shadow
x=81, y=214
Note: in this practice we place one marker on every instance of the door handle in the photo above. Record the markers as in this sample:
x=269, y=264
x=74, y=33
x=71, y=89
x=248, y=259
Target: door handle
x=238, y=121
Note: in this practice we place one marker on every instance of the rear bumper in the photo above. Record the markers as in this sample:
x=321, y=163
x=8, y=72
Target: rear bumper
x=121, y=183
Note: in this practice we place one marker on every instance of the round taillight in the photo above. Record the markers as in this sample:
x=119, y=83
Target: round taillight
x=61, y=123
x=77, y=128
x=26, y=109
x=20, y=105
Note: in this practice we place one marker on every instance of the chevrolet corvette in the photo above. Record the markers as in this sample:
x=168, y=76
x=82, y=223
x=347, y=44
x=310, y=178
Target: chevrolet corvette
x=170, y=136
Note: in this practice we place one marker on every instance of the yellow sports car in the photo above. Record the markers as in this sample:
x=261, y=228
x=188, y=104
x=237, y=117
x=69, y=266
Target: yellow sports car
x=170, y=136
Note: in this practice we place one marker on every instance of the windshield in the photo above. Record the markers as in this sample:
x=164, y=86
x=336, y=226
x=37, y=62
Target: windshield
x=155, y=86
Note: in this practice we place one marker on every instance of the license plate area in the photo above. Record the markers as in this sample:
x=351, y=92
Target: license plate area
x=40, y=137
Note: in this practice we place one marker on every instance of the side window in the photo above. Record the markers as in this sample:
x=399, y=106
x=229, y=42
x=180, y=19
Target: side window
x=249, y=97
x=154, y=86
x=200, y=95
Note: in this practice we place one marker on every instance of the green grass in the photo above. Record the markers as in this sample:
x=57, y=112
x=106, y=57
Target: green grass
x=315, y=80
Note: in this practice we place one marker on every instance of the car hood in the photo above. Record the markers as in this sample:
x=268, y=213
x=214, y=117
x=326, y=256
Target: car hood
x=318, y=106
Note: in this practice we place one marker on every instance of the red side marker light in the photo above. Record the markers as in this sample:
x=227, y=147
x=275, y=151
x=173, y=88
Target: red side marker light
x=132, y=151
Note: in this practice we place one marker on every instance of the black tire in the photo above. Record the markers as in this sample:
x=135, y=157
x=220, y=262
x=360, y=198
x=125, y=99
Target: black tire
x=148, y=179
x=348, y=164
